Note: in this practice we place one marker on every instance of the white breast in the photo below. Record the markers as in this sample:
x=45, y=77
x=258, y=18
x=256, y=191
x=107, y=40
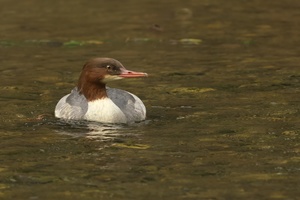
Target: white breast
x=104, y=110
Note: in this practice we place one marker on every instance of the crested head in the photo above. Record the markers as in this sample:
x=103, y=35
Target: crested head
x=98, y=69
x=97, y=72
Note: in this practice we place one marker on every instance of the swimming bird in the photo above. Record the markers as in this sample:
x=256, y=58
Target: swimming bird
x=91, y=100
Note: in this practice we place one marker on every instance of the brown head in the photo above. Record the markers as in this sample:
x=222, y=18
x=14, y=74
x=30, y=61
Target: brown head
x=97, y=72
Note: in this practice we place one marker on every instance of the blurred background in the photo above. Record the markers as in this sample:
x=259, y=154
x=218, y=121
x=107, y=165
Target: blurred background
x=222, y=100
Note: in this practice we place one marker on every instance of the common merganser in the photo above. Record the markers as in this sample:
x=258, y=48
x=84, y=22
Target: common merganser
x=91, y=100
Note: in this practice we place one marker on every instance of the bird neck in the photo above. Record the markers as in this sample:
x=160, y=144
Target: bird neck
x=92, y=90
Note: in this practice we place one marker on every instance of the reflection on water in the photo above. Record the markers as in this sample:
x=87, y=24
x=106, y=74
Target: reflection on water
x=92, y=130
x=222, y=100
x=95, y=130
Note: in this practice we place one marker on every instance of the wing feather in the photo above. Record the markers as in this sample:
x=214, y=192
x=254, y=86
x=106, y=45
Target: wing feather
x=130, y=104
x=72, y=106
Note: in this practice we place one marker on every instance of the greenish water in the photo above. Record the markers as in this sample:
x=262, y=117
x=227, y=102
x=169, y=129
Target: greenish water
x=222, y=100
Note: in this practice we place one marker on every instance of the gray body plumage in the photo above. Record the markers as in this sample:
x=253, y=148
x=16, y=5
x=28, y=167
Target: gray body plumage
x=75, y=106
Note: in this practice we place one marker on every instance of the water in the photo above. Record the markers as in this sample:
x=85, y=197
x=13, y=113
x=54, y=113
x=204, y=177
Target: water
x=222, y=100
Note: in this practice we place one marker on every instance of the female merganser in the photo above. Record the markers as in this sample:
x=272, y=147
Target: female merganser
x=92, y=100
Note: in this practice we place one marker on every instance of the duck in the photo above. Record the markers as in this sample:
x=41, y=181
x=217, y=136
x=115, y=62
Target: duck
x=92, y=100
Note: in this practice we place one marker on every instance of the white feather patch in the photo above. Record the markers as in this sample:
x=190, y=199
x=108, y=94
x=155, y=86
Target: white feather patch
x=109, y=78
x=104, y=110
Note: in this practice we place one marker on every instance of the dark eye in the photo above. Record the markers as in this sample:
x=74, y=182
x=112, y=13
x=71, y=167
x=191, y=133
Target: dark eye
x=111, y=68
x=108, y=67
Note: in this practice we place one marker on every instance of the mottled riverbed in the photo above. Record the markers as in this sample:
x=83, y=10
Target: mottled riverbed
x=222, y=100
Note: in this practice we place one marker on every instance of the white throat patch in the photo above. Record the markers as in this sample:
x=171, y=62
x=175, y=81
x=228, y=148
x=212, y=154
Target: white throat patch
x=109, y=78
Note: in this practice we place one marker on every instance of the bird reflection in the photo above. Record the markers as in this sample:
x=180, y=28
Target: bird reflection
x=96, y=130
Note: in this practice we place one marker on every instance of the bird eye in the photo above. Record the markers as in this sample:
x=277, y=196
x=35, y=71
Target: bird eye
x=108, y=67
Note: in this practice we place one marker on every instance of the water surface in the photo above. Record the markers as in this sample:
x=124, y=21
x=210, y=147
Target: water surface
x=222, y=100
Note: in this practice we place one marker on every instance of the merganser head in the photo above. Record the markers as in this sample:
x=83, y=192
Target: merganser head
x=107, y=69
x=98, y=71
